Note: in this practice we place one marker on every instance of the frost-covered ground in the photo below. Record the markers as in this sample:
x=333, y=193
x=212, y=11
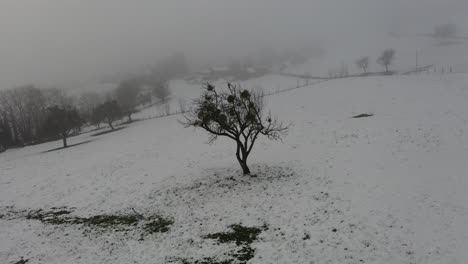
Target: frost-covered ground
x=390, y=188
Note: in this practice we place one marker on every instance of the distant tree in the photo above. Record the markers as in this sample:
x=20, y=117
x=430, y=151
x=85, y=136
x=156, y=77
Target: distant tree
x=108, y=113
x=5, y=131
x=161, y=90
x=386, y=59
x=145, y=98
x=236, y=114
x=87, y=103
x=126, y=95
x=25, y=109
x=57, y=97
x=61, y=122
x=343, y=70
x=363, y=64
x=182, y=105
x=96, y=117
x=445, y=31
x=8, y=117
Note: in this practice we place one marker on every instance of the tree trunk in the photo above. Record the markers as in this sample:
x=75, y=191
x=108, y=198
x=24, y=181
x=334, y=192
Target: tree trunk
x=111, y=126
x=245, y=168
x=15, y=132
x=64, y=138
x=129, y=117
x=241, y=155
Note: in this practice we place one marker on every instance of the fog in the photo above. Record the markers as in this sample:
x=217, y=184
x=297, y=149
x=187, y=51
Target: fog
x=68, y=42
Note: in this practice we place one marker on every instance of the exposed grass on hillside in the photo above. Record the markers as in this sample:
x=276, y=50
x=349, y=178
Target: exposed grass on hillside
x=105, y=222
x=241, y=236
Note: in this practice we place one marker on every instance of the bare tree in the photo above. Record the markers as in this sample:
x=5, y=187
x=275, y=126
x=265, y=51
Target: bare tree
x=386, y=59
x=161, y=90
x=57, y=97
x=61, y=122
x=182, y=105
x=8, y=116
x=87, y=102
x=107, y=112
x=126, y=95
x=6, y=137
x=236, y=114
x=145, y=97
x=343, y=71
x=25, y=109
x=363, y=64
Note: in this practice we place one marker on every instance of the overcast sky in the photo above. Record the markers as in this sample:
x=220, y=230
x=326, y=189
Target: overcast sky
x=59, y=42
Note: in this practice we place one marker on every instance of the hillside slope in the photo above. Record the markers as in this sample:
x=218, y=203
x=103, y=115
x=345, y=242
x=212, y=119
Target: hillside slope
x=390, y=188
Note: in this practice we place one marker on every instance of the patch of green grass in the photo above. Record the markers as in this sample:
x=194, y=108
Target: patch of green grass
x=244, y=254
x=105, y=221
x=243, y=237
x=239, y=234
x=158, y=225
x=115, y=222
x=209, y=261
x=21, y=261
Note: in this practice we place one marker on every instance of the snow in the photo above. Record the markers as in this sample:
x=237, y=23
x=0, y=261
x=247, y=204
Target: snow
x=184, y=92
x=390, y=188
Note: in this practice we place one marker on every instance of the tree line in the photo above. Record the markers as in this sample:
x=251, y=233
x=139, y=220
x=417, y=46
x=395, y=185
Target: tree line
x=385, y=59
x=30, y=115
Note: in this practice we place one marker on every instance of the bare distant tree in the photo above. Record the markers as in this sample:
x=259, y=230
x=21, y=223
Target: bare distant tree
x=107, y=112
x=161, y=90
x=61, y=122
x=87, y=102
x=9, y=116
x=126, y=95
x=25, y=107
x=236, y=114
x=23, y=111
x=57, y=97
x=363, y=64
x=145, y=97
x=182, y=105
x=386, y=59
x=343, y=71
x=6, y=136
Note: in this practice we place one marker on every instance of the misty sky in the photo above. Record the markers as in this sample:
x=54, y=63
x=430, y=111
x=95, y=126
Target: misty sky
x=61, y=42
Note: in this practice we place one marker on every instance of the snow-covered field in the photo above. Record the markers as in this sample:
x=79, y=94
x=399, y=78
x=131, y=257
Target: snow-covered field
x=442, y=54
x=390, y=188
x=183, y=92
